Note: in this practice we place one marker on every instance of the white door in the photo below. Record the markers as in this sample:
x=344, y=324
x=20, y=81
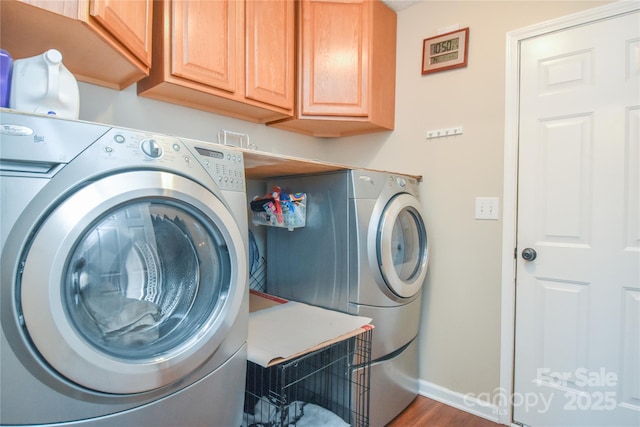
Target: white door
x=577, y=344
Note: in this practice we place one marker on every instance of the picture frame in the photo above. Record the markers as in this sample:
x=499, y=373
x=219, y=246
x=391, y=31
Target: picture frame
x=445, y=51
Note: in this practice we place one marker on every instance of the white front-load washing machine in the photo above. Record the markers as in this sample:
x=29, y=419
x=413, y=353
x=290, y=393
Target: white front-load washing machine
x=364, y=251
x=123, y=277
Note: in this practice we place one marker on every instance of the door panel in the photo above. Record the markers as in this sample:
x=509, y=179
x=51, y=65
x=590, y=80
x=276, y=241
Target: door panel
x=564, y=154
x=213, y=60
x=632, y=176
x=577, y=310
x=630, y=349
x=334, y=46
x=270, y=56
x=129, y=22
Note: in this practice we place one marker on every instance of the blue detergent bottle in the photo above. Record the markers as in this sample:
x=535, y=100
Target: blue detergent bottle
x=6, y=66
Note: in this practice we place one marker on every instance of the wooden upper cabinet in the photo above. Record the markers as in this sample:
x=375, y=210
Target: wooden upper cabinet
x=334, y=51
x=204, y=42
x=270, y=52
x=230, y=57
x=104, y=42
x=129, y=22
x=347, y=68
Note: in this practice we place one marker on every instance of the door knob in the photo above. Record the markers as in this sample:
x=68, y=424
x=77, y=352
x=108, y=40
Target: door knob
x=529, y=254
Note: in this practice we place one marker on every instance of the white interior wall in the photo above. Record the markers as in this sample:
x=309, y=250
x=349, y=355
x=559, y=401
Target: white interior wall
x=460, y=327
x=125, y=108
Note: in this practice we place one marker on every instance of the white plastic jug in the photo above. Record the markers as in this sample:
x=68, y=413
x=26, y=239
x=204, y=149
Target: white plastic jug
x=43, y=85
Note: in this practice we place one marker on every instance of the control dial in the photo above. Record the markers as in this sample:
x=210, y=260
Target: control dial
x=151, y=148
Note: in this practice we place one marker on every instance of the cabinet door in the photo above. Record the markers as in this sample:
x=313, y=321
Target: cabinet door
x=205, y=39
x=129, y=21
x=270, y=30
x=335, y=48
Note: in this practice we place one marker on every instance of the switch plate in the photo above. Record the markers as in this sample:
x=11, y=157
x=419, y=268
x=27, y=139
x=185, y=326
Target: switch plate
x=487, y=208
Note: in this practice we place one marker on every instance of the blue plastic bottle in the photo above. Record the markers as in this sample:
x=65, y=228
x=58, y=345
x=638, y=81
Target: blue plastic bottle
x=6, y=65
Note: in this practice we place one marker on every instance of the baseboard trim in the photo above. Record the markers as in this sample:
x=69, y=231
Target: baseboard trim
x=465, y=402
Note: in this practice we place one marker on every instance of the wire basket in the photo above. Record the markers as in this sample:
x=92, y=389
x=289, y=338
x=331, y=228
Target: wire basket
x=290, y=214
x=329, y=386
x=258, y=276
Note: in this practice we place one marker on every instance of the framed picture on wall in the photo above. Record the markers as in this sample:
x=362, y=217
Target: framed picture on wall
x=445, y=51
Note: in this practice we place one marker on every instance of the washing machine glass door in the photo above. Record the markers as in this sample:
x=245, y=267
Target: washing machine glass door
x=133, y=281
x=402, y=248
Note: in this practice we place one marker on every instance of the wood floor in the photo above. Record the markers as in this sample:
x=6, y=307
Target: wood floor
x=424, y=412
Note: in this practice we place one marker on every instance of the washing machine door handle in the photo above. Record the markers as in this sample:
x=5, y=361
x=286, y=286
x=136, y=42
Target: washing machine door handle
x=401, y=246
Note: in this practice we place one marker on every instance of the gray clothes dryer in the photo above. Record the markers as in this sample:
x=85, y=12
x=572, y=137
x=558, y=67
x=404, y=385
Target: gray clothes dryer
x=364, y=251
x=123, y=276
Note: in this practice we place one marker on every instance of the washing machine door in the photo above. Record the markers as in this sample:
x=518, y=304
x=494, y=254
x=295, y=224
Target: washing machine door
x=401, y=246
x=133, y=281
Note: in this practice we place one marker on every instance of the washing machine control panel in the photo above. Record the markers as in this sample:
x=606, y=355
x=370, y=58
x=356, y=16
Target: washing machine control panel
x=151, y=148
x=225, y=166
x=126, y=145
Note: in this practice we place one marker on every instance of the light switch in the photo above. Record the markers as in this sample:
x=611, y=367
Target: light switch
x=487, y=208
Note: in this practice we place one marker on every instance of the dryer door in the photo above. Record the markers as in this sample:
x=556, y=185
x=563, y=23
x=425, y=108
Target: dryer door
x=133, y=281
x=401, y=246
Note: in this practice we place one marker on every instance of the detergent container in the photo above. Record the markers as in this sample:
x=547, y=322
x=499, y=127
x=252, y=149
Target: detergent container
x=43, y=85
x=6, y=63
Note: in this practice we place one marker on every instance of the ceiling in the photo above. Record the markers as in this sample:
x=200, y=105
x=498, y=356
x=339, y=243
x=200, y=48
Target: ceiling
x=399, y=4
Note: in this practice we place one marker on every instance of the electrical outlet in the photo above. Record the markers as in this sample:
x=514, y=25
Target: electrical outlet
x=487, y=208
